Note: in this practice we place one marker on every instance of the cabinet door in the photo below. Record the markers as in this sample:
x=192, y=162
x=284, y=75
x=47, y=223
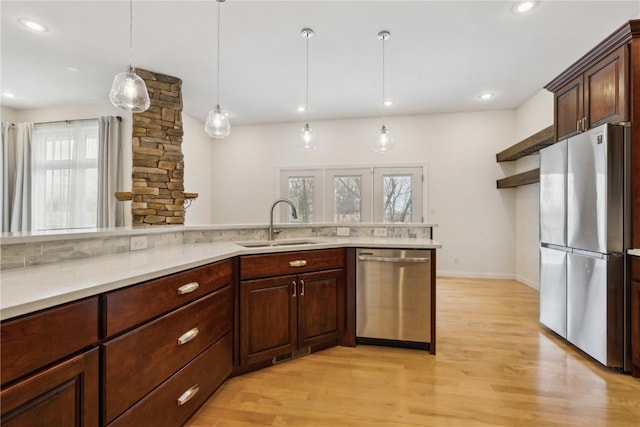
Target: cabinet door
x=65, y=395
x=320, y=307
x=635, y=327
x=605, y=94
x=568, y=106
x=268, y=313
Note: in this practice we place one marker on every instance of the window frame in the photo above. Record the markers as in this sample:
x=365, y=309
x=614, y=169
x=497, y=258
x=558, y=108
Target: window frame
x=372, y=191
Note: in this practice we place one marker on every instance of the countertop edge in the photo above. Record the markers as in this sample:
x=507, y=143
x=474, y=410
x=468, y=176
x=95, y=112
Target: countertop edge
x=27, y=290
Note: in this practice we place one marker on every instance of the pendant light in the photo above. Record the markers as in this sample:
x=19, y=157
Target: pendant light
x=308, y=140
x=129, y=91
x=217, y=124
x=384, y=142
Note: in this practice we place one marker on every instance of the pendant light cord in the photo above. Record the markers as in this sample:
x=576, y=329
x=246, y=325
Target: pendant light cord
x=218, y=62
x=383, y=39
x=306, y=108
x=130, y=32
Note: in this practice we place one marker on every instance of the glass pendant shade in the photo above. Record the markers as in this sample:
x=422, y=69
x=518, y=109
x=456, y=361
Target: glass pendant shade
x=217, y=124
x=384, y=142
x=308, y=140
x=129, y=92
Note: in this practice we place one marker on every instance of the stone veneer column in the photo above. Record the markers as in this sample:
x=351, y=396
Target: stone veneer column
x=158, y=163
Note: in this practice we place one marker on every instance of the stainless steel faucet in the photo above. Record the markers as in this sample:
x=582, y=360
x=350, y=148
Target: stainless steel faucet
x=294, y=214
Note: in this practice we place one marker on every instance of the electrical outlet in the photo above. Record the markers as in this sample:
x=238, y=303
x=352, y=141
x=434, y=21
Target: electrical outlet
x=138, y=243
x=342, y=231
x=380, y=232
x=455, y=259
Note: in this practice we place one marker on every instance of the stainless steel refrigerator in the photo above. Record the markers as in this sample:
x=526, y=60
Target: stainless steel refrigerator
x=583, y=237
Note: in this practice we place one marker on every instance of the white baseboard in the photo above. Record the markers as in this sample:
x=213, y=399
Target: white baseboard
x=531, y=283
x=502, y=276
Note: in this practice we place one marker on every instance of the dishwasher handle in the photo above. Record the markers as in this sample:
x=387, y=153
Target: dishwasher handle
x=391, y=259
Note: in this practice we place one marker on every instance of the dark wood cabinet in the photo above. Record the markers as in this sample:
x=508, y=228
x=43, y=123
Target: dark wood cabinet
x=173, y=403
x=596, y=96
x=49, y=372
x=64, y=395
x=56, y=333
x=268, y=318
x=635, y=316
x=606, y=89
x=137, y=362
x=320, y=307
x=143, y=355
x=288, y=312
x=569, y=108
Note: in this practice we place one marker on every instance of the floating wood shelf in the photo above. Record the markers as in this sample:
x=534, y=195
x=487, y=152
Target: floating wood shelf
x=123, y=196
x=531, y=145
x=524, y=178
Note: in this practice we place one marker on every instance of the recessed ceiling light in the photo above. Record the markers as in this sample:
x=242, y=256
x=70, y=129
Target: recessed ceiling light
x=8, y=95
x=388, y=102
x=486, y=96
x=33, y=25
x=524, y=6
x=74, y=69
x=300, y=109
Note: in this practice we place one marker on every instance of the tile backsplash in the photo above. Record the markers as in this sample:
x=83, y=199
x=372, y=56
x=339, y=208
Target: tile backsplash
x=22, y=253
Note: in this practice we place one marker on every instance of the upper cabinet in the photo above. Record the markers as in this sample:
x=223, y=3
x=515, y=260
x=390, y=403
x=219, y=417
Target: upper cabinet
x=595, y=90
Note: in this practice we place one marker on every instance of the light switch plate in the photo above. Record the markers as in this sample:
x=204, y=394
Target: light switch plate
x=138, y=243
x=380, y=232
x=342, y=231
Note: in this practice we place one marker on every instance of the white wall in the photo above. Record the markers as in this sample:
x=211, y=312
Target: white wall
x=476, y=222
x=197, y=148
x=8, y=115
x=532, y=116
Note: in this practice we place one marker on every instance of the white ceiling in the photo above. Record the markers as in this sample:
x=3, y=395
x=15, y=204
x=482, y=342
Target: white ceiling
x=440, y=57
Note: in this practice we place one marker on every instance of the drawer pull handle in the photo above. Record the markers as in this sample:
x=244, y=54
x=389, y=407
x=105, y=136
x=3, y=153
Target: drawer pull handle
x=298, y=263
x=188, y=336
x=188, y=288
x=188, y=395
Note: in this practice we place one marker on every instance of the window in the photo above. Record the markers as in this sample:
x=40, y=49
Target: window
x=304, y=189
x=384, y=194
x=65, y=175
x=348, y=195
x=399, y=195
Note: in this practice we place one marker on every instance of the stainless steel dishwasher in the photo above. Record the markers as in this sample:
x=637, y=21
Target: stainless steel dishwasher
x=393, y=297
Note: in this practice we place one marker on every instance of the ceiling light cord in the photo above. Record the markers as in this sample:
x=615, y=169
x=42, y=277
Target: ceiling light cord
x=131, y=32
x=306, y=107
x=218, y=63
x=383, y=39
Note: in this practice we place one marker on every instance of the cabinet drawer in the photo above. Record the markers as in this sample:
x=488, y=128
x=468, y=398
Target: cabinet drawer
x=138, y=361
x=39, y=339
x=268, y=265
x=134, y=305
x=174, y=401
x=63, y=395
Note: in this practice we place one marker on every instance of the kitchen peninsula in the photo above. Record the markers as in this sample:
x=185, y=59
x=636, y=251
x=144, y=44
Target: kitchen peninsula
x=104, y=326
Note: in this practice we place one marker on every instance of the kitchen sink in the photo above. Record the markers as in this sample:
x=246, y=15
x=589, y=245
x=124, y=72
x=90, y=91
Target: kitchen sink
x=272, y=243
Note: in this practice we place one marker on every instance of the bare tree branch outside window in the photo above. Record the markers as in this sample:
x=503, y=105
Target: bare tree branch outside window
x=348, y=198
x=397, y=202
x=301, y=194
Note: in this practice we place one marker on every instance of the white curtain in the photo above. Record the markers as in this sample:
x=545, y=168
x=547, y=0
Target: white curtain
x=110, y=211
x=16, y=176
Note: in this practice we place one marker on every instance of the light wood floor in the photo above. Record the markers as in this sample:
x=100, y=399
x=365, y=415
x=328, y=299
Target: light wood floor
x=495, y=366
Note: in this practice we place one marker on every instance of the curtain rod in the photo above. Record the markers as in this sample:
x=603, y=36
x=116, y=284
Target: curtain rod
x=69, y=121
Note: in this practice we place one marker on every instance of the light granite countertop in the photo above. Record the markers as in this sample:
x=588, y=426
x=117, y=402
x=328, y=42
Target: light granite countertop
x=30, y=289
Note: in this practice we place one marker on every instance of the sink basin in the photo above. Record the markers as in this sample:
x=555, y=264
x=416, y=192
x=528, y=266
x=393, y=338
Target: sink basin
x=273, y=243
